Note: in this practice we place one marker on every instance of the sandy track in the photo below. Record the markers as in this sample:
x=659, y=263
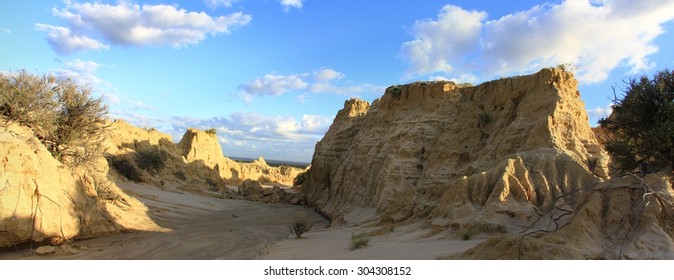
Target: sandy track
x=201, y=227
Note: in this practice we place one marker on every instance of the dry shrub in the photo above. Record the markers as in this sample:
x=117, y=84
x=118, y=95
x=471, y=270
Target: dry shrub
x=151, y=159
x=300, y=226
x=359, y=241
x=61, y=113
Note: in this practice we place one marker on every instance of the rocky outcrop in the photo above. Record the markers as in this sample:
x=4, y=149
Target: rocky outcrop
x=42, y=200
x=471, y=156
x=195, y=162
x=513, y=158
x=623, y=218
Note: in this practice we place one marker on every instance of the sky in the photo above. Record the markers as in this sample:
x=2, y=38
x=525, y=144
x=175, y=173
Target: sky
x=270, y=75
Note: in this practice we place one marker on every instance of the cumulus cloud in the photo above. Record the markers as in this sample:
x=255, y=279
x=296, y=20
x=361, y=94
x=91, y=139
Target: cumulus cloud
x=288, y=4
x=130, y=24
x=321, y=81
x=595, y=35
x=65, y=41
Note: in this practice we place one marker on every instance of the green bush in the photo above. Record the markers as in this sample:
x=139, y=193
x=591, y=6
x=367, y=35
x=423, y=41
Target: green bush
x=125, y=168
x=211, y=131
x=466, y=235
x=299, y=179
x=396, y=91
x=484, y=117
x=359, y=241
x=62, y=114
x=641, y=129
x=150, y=159
x=180, y=175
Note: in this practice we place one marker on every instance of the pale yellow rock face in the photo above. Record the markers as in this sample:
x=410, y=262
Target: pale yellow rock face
x=42, y=199
x=484, y=156
x=201, y=149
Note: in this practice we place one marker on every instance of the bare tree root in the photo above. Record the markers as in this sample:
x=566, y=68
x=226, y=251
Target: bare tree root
x=559, y=211
x=648, y=191
x=556, y=213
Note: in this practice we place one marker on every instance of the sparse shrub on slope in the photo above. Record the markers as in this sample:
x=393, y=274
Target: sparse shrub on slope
x=125, y=168
x=641, y=128
x=299, y=179
x=61, y=113
x=150, y=159
x=359, y=241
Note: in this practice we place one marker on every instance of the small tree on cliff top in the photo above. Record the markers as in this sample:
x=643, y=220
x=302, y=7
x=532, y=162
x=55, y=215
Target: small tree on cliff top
x=641, y=128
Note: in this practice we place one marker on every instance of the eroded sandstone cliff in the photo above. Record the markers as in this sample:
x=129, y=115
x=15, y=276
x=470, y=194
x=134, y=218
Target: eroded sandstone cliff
x=513, y=157
x=42, y=200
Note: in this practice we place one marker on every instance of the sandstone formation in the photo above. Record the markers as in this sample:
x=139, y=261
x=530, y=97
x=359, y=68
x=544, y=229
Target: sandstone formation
x=42, y=200
x=194, y=162
x=492, y=158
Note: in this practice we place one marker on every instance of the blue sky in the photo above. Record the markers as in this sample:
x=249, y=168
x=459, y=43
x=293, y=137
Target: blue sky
x=271, y=74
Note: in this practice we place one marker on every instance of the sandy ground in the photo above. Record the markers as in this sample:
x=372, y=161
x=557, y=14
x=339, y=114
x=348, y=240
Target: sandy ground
x=203, y=227
x=403, y=243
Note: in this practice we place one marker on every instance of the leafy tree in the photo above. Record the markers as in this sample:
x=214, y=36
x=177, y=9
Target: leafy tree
x=641, y=128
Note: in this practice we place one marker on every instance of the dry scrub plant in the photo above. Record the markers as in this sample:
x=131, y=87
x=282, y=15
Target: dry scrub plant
x=61, y=113
x=359, y=241
x=300, y=226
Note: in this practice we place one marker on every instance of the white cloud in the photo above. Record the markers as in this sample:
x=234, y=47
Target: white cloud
x=599, y=112
x=272, y=84
x=65, y=41
x=288, y=4
x=315, y=124
x=6, y=31
x=321, y=81
x=213, y=4
x=595, y=35
x=81, y=72
x=328, y=74
x=132, y=24
x=438, y=43
x=348, y=90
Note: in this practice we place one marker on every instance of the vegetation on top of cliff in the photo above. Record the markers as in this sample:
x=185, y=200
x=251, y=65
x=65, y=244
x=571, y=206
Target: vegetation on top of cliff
x=211, y=131
x=61, y=113
x=641, y=128
x=394, y=90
